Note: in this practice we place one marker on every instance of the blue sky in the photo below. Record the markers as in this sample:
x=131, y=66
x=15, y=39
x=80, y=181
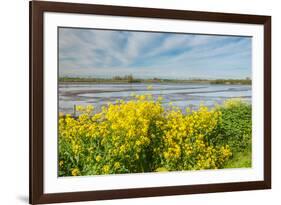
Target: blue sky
x=107, y=53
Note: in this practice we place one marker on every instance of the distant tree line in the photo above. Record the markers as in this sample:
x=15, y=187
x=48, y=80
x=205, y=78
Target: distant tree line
x=128, y=78
x=246, y=81
x=131, y=79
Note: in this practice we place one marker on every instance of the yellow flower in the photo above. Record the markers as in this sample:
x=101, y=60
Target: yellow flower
x=75, y=172
x=116, y=165
x=105, y=169
x=150, y=87
x=98, y=158
x=138, y=143
x=79, y=108
x=166, y=155
x=61, y=163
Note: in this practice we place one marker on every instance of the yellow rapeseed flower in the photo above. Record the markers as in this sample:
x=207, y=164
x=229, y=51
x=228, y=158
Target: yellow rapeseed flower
x=98, y=158
x=75, y=172
x=126, y=131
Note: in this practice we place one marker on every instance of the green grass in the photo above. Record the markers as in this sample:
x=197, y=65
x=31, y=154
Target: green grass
x=240, y=159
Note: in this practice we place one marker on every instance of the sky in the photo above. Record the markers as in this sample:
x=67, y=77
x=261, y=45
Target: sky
x=108, y=53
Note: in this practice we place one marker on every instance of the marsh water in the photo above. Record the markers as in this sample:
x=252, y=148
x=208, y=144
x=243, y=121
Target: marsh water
x=182, y=95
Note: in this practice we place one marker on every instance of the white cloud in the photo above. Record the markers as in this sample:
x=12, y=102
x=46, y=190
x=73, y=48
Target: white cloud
x=105, y=52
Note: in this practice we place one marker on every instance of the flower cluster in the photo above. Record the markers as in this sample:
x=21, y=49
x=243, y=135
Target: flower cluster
x=185, y=141
x=139, y=136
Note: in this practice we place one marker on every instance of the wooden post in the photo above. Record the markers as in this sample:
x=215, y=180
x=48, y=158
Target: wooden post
x=74, y=110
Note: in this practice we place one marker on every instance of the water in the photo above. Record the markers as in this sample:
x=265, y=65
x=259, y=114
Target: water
x=181, y=95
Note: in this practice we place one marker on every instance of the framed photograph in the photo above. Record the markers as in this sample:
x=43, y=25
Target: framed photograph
x=139, y=102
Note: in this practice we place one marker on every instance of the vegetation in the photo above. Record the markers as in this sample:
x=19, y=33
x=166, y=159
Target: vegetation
x=236, y=130
x=232, y=81
x=131, y=79
x=141, y=136
x=127, y=78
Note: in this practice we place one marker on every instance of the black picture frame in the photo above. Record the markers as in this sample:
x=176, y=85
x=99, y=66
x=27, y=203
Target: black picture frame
x=37, y=9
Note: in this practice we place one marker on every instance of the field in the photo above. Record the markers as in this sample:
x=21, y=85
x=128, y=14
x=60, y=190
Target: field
x=141, y=135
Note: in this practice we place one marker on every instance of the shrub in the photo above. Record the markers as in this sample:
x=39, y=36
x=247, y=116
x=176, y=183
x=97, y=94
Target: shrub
x=235, y=128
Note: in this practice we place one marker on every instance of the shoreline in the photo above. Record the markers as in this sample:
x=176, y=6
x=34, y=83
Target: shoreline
x=152, y=81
